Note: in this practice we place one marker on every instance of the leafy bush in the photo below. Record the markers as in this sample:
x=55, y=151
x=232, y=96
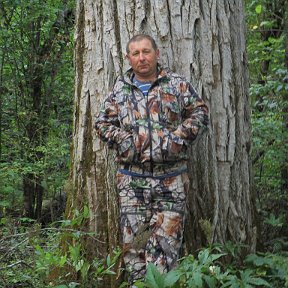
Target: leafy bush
x=32, y=256
x=206, y=270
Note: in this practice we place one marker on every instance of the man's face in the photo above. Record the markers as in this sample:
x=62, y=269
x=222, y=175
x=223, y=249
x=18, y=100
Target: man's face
x=143, y=59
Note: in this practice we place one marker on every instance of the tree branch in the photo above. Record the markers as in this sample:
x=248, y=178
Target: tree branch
x=15, y=264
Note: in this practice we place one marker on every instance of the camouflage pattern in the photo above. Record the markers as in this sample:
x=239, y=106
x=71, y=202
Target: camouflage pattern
x=151, y=135
x=152, y=219
x=156, y=128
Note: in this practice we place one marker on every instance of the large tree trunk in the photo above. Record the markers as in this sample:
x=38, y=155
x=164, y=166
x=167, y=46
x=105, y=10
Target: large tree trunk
x=203, y=40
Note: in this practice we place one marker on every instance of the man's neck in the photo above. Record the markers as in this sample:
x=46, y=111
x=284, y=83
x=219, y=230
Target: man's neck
x=150, y=78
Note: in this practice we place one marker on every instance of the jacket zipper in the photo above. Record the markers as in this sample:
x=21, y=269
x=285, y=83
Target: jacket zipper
x=148, y=116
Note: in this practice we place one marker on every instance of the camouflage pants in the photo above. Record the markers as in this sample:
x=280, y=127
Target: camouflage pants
x=152, y=211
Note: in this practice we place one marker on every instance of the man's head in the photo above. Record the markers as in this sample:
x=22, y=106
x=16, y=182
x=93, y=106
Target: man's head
x=142, y=54
x=140, y=37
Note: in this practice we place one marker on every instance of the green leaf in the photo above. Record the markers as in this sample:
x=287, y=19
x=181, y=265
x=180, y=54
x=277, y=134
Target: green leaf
x=217, y=256
x=248, y=278
x=171, y=278
x=267, y=24
x=203, y=256
x=211, y=282
x=258, y=282
x=258, y=9
x=86, y=212
x=154, y=277
x=138, y=284
x=84, y=269
x=79, y=265
x=259, y=260
x=279, y=88
x=26, y=219
x=273, y=221
x=198, y=281
x=65, y=222
x=74, y=252
x=63, y=260
x=3, y=221
x=4, y=203
x=108, y=260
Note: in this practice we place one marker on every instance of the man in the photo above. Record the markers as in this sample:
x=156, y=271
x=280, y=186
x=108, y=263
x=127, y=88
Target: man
x=150, y=118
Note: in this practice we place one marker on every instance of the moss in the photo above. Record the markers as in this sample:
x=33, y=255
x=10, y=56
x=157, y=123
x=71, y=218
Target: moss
x=206, y=228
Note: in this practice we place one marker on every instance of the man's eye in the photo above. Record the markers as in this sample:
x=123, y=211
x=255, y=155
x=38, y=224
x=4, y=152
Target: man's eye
x=135, y=54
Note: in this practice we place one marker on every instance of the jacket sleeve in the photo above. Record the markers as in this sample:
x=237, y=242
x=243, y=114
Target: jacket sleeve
x=107, y=124
x=194, y=115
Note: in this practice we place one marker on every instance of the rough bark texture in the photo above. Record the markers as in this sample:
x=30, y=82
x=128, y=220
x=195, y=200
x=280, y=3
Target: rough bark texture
x=203, y=40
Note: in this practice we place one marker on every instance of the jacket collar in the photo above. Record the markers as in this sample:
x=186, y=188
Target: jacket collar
x=129, y=74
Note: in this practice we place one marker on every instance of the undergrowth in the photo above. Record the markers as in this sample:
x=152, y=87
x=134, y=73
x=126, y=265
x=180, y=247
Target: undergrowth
x=32, y=256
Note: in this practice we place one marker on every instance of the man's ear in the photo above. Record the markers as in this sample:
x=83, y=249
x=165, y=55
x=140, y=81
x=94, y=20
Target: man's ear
x=127, y=58
x=158, y=53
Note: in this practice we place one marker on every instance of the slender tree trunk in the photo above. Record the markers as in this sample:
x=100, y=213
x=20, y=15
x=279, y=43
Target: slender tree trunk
x=203, y=40
x=28, y=195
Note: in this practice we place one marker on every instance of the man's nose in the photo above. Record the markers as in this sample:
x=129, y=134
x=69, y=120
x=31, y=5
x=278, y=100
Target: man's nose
x=141, y=56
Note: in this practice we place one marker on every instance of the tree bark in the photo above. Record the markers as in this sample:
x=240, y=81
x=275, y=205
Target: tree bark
x=204, y=41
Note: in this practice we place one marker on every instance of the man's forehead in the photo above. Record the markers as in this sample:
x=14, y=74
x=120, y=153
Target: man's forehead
x=140, y=44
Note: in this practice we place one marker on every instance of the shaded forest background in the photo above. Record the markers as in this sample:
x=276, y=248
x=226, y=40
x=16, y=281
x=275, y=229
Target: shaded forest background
x=36, y=110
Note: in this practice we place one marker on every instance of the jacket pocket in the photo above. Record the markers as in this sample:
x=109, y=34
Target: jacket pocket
x=126, y=151
x=173, y=147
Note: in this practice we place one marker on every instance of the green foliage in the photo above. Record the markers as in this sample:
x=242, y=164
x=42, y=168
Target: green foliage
x=42, y=262
x=273, y=267
x=36, y=95
x=207, y=270
x=155, y=279
x=265, y=37
x=46, y=264
x=274, y=221
x=33, y=257
x=268, y=91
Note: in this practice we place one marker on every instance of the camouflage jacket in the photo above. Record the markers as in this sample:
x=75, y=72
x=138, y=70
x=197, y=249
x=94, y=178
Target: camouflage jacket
x=156, y=128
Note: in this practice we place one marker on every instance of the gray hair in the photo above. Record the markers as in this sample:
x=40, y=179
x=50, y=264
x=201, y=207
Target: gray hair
x=140, y=37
